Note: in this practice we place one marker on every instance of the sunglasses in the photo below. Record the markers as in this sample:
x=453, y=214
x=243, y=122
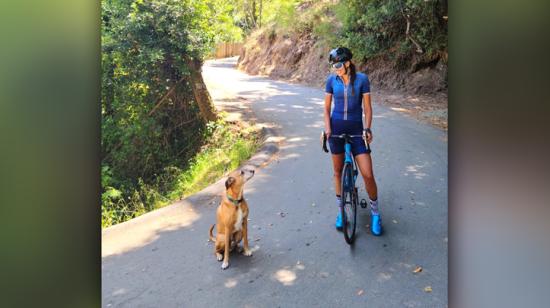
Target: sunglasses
x=338, y=65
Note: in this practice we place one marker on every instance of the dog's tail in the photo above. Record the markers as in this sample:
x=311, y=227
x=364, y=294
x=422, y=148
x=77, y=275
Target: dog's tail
x=211, y=236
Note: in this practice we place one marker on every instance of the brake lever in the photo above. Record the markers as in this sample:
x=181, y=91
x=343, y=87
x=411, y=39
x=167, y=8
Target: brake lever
x=324, y=137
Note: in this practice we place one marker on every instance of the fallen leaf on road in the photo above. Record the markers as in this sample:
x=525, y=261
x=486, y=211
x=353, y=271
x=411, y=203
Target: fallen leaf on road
x=256, y=239
x=428, y=289
x=394, y=221
x=360, y=292
x=417, y=270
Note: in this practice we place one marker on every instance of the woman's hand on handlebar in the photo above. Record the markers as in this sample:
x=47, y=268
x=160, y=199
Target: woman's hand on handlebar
x=324, y=138
x=367, y=135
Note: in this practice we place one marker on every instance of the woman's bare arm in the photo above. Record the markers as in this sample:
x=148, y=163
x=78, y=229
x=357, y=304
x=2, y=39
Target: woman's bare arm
x=367, y=109
x=326, y=113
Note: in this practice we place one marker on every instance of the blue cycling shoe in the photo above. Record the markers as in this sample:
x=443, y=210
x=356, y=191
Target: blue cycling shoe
x=376, y=225
x=339, y=222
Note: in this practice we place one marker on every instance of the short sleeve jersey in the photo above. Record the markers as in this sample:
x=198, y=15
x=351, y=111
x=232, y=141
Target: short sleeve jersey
x=345, y=105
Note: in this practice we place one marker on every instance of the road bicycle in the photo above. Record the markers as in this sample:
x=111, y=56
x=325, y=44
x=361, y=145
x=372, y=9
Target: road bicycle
x=348, y=190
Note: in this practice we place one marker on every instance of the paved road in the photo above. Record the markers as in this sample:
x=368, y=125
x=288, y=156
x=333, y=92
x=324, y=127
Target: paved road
x=162, y=259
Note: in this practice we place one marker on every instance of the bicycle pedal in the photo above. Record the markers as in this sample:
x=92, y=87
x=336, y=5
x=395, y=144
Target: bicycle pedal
x=364, y=203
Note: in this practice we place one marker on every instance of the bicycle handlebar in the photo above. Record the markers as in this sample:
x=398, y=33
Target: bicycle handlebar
x=344, y=136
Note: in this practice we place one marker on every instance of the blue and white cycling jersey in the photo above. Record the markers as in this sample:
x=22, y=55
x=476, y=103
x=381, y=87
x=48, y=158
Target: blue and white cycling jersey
x=345, y=105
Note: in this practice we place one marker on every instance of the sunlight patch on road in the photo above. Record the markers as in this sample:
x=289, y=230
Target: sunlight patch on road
x=383, y=277
x=275, y=139
x=318, y=124
x=230, y=283
x=415, y=169
x=255, y=248
x=400, y=109
x=297, y=139
x=299, y=266
x=119, y=292
x=301, y=107
x=289, y=156
x=147, y=228
x=274, y=110
x=285, y=277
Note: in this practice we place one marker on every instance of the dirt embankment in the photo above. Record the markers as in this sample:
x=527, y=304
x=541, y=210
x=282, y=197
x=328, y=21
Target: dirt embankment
x=420, y=91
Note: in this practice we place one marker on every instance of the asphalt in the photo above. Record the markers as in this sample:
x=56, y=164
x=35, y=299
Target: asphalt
x=163, y=259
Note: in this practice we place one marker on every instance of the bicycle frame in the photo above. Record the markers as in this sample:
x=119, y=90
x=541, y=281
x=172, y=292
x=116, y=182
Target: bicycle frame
x=349, y=160
x=348, y=184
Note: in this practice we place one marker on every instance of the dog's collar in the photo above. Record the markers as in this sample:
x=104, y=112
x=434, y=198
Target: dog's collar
x=236, y=202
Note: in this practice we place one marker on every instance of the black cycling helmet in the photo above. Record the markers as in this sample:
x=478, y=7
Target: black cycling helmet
x=339, y=54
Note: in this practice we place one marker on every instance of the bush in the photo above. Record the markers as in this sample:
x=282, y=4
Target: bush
x=376, y=27
x=227, y=147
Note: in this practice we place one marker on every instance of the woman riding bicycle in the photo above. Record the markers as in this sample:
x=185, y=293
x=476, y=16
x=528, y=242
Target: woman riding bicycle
x=351, y=93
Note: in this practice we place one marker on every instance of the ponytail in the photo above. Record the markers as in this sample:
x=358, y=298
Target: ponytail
x=352, y=77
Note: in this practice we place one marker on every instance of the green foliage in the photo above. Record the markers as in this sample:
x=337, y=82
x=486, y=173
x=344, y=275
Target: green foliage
x=227, y=147
x=151, y=124
x=280, y=12
x=376, y=27
x=224, y=21
x=370, y=28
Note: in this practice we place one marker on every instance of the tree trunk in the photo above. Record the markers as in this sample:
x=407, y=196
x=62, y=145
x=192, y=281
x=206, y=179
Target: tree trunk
x=254, y=17
x=202, y=97
x=261, y=13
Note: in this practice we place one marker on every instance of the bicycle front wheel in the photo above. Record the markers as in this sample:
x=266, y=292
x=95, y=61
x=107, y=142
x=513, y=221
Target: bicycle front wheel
x=349, y=204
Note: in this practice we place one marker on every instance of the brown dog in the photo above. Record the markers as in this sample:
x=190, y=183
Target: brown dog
x=232, y=217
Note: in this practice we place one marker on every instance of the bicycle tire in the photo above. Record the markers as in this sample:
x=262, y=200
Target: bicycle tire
x=349, y=204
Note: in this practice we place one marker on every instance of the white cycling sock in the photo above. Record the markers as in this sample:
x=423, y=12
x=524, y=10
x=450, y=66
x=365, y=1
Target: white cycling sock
x=339, y=201
x=374, y=206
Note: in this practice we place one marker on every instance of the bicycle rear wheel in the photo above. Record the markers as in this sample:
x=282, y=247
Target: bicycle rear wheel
x=349, y=204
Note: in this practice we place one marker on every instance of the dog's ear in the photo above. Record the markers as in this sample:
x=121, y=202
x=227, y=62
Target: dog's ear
x=229, y=182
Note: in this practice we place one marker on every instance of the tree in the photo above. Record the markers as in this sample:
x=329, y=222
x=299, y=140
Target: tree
x=153, y=97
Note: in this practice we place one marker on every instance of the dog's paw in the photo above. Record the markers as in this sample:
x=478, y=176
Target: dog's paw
x=219, y=256
x=247, y=252
x=225, y=265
